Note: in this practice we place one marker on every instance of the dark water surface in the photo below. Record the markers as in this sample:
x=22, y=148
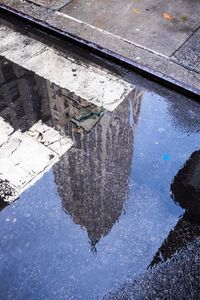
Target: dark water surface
x=98, y=217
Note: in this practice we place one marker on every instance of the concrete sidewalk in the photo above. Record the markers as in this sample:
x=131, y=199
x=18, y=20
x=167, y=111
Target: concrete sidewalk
x=158, y=36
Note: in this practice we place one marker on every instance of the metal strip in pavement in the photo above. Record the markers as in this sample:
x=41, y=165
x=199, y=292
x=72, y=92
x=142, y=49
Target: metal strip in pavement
x=146, y=71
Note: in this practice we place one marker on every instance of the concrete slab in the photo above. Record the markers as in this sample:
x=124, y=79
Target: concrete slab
x=141, y=22
x=85, y=81
x=189, y=54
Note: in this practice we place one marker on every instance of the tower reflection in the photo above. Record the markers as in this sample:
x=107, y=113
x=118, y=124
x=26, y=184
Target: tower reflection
x=93, y=178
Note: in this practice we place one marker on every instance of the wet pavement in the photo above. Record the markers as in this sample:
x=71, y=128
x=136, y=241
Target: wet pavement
x=177, y=278
x=103, y=215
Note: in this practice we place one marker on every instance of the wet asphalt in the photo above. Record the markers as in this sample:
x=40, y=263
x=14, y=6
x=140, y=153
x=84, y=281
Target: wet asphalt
x=102, y=222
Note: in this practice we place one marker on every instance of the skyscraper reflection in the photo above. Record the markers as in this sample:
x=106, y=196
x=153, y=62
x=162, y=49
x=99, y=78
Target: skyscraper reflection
x=93, y=178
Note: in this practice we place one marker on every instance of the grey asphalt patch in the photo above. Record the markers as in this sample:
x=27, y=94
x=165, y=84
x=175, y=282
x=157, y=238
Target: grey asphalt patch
x=178, y=279
x=189, y=54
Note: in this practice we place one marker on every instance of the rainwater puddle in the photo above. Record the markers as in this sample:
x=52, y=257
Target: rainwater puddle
x=98, y=217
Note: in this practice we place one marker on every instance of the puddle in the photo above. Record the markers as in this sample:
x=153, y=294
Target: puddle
x=99, y=217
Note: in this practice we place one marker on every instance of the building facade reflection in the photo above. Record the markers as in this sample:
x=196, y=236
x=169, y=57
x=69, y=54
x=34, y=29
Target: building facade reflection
x=93, y=178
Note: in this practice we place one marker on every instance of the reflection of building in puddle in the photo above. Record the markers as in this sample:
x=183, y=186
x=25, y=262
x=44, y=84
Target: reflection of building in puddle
x=27, y=102
x=27, y=98
x=186, y=192
x=93, y=178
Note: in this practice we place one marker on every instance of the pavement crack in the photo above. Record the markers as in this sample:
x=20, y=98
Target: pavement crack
x=56, y=141
x=16, y=148
x=33, y=3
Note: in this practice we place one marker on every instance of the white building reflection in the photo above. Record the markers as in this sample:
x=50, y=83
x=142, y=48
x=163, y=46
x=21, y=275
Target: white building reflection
x=93, y=178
